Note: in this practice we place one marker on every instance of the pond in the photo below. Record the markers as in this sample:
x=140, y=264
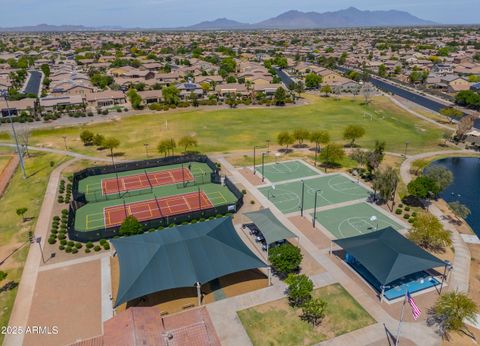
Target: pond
x=465, y=187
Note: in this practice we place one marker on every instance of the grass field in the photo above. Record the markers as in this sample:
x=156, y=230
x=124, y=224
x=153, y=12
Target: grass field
x=354, y=220
x=236, y=129
x=332, y=189
x=13, y=232
x=4, y=159
x=276, y=323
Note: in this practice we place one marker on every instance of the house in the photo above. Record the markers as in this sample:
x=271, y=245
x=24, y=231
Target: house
x=475, y=87
x=17, y=107
x=105, y=98
x=231, y=88
x=56, y=102
x=456, y=83
x=151, y=96
x=187, y=88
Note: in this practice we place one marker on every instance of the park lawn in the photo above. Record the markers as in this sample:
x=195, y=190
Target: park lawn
x=4, y=159
x=276, y=323
x=13, y=232
x=226, y=130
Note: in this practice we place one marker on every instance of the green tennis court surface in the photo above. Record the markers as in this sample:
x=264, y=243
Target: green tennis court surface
x=334, y=189
x=288, y=170
x=92, y=186
x=91, y=216
x=354, y=220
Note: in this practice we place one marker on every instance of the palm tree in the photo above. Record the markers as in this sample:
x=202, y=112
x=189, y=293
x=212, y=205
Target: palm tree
x=449, y=313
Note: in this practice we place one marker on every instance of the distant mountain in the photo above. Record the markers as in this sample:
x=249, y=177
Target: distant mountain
x=350, y=17
x=219, y=24
x=347, y=18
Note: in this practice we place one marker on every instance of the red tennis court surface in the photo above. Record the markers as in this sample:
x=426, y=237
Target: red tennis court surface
x=143, y=181
x=156, y=208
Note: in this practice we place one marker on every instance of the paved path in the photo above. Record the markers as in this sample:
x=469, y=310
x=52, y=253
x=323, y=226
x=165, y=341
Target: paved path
x=26, y=288
x=414, y=331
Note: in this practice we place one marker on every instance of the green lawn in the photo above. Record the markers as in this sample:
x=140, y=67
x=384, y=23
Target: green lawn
x=276, y=323
x=13, y=232
x=4, y=159
x=236, y=129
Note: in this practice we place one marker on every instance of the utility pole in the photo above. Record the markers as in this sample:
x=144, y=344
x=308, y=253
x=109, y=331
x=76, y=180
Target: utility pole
x=19, y=151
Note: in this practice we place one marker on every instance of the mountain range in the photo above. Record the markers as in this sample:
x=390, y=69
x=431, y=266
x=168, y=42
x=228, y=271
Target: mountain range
x=347, y=18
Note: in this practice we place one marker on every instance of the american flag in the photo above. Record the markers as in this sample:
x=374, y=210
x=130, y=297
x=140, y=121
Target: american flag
x=415, y=310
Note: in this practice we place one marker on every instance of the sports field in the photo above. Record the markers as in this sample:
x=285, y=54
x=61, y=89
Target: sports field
x=287, y=170
x=333, y=189
x=134, y=182
x=354, y=220
x=152, y=205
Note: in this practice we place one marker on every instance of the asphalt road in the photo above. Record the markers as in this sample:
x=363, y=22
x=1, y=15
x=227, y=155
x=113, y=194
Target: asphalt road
x=287, y=80
x=33, y=84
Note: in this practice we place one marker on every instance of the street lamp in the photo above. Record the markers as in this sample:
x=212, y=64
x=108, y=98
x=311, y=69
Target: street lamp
x=19, y=151
x=303, y=194
x=263, y=166
x=65, y=142
x=315, y=207
x=254, y=153
x=406, y=147
x=146, y=149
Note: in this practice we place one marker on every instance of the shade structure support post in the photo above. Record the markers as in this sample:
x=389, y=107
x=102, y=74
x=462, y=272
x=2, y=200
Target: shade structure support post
x=269, y=276
x=382, y=294
x=444, y=276
x=199, y=293
x=331, y=248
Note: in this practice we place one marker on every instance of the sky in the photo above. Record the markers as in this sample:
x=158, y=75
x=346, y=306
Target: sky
x=175, y=13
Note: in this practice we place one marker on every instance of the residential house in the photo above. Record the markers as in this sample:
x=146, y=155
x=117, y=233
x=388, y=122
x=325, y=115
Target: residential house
x=105, y=98
x=17, y=107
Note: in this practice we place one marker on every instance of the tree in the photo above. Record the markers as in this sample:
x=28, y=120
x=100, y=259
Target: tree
x=299, y=289
x=299, y=88
x=286, y=139
x=440, y=175
x=428, y=232
x=450, y=312
x=165, y=146
x=285, y=258
x=24, y=134
x=300, y=135
x=319, y=137
x=130, y=226
x=352, y=133
x=280, y=96
x=451, y=113
x=326, y=90
x=171, y=95
x=382, y=70
x=98, y=140
x=188, y=141
x=312, y=81
x=3, y=275
x=419, y=165
x=464, y=125
x=111, y=143
x=460, y=210
x=135, y=99
x=87, y=137
x=359, y=156
x=332, y=154
x=422, y=187
x=21, y=212
x=386, y=183
x=313, y=311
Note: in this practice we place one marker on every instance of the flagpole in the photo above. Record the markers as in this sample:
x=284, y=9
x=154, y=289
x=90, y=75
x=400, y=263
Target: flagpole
x=397, y=339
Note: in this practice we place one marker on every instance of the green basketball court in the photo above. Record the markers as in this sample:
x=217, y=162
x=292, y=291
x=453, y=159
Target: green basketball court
x=333, y=189
x=353, y=220
x=287, y=170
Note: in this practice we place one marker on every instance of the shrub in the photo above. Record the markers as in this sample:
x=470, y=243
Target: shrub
x=63, y=242
x=400, y=205
x=407, y=208
x=56, y=218
x=398, y=211
x=61, y=247
x=406, y=216
x=70, y=243
x=78, y=245
x=97, y=248
x=52, y=241
x=89, y=245
x=64, y=212
x=87, y=250
x=102, y=241
x=68, y=249
x=106, y=246
x=62, y=236
x=60, y=199
x=74, y=250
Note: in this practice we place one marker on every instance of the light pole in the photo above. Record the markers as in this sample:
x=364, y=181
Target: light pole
x=255, y=147
x=406, y=147
x=19, y=152
x=146, y=149
x=263, y=167
x=315, y=208
x=38, y=241
x=303, y=194
x=268, y=145
x=316, y=153
x=65, y=142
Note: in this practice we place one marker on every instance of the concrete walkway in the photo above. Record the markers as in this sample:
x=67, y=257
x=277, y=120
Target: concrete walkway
x=26, y=288
x=414, y=331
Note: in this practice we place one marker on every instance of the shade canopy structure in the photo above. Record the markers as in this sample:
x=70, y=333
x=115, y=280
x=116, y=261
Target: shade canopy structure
x=180, y=257
x=272, y=229
x=388, y=255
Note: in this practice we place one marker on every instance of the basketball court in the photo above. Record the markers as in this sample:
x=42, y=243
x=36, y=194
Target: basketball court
x=286, y=170
x=332, y=189
x=353, y=220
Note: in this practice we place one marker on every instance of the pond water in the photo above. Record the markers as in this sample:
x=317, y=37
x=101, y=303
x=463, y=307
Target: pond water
x=465, y=187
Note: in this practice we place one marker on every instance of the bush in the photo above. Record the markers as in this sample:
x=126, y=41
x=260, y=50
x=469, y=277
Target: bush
x=60, y=199
x=87, y=250
x=74, y=250
x=102, y=241
x=400, y=205
x=97, y=248
x=68, y=249
x=61, y=247
x=398, y=211
x=56, y=218
x=63, y=242
x=106, y=246
x=78, y=245
x=70, y=243
x=406, y=216
x=407, y=208
x=52, y=241
x=89, y=245
x=62, y=236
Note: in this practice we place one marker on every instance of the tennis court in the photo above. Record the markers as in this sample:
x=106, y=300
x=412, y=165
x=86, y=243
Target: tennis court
x=150, y=206
x=135, y=182
x=145, y=180
x=287, y=170
x=332, y=189
x=355, y=220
